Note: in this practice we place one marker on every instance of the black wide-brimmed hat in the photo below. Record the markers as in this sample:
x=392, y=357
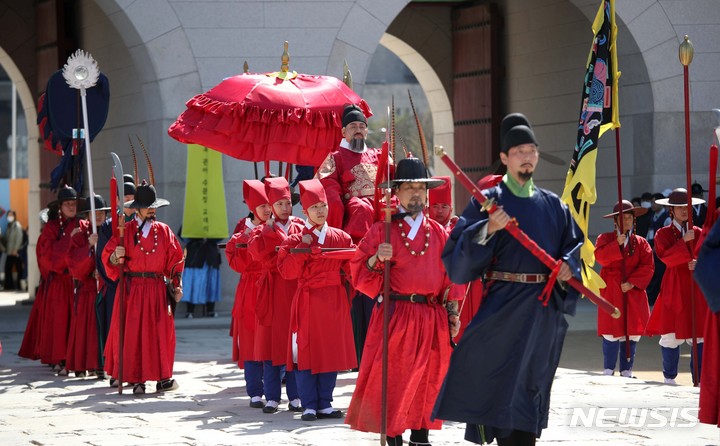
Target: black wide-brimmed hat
x=66, y=193
x=678, y=197
x=146, y=198
x=100, y=204
x=627, y=207
x=412, y=170
x=696, y=188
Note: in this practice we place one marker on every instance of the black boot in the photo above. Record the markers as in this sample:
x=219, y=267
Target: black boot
x=395, y=441
x=419, y=437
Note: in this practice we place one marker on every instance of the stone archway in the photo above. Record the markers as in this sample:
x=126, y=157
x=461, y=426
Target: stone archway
x=438, y=99
x=28, y=105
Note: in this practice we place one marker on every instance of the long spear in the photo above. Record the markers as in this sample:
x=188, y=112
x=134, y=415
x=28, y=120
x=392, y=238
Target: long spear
x=685, y=53
x=390, y=143
x=118, y=172
x=490, y=206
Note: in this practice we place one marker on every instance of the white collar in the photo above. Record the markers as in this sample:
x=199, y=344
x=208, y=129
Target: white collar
x=146, y=229
x=320, y=234
x=249, y=224
x=415, y=223
x=346, y=145
x=283, y=227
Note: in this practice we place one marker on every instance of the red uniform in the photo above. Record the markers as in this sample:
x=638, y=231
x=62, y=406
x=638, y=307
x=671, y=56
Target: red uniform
x=242, y=327
x=82, y=353
x=320, y=313
x=30, y=348
x=419, y=339
x=52, y=253
x=671, y=313
x=149, y=344
x=275, y=294
x=639, y=267
x=348, y=178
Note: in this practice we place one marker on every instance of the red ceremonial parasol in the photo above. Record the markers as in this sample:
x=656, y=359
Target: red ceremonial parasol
x=282, y=116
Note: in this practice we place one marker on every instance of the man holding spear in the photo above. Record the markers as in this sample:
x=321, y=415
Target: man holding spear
x=423, y=315
x=145, y=349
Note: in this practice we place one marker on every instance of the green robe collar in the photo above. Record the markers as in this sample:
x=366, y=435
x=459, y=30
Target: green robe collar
x=525, y=191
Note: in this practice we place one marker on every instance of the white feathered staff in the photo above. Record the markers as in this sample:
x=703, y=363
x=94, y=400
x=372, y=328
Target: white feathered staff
x=81, y=72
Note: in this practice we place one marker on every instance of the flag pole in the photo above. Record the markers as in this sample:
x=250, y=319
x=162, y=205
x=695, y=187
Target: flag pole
x=620, y=223
x=686, y=53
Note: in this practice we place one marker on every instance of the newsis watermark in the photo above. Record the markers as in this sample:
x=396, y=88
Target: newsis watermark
x=634, y=417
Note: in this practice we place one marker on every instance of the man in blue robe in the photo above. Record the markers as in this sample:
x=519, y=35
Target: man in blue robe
x=501, y=371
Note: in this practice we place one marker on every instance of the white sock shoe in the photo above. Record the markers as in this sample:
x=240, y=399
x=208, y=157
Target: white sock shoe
x=670, y=381
x=626, y=373
x=608, y=372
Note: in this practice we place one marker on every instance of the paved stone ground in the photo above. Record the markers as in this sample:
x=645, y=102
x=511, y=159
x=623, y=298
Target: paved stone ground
x=211, y=407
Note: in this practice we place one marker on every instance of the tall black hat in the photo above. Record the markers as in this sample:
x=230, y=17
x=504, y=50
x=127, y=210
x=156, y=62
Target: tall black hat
x=66, y=193
x=128, y=188
x=146, y=198
x=511, y=121
x=100, y=204
x=518, y=135
x=413, y=170
x=352, y=113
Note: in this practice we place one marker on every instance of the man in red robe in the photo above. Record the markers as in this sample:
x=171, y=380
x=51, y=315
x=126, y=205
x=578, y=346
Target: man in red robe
x=348, y=175
x=275, y=295
x=150, y=252
x=424, y=307
x=440, y=209
x=321, y=337
x=672, y=316
x=627, y=267
x=82, y=354
x=52, y=253
x=242, y=327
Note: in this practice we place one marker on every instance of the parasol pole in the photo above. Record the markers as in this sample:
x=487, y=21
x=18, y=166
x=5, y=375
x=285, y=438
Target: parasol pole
x=620, y=222
x=490, y=206
x=685, y=54
x=81, y=72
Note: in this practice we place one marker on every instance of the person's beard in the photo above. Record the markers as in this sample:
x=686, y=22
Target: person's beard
x=357, y=145
x=525, y=175
x=414, y=207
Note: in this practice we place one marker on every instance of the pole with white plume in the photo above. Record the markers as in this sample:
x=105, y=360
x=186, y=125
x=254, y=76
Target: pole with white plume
x=81, y=72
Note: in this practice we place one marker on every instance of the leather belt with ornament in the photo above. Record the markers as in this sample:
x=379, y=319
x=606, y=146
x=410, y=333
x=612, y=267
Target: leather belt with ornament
x=516, y=277
x=414, y=298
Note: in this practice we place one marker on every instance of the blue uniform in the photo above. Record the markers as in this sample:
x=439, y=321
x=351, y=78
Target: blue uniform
x=501, y=371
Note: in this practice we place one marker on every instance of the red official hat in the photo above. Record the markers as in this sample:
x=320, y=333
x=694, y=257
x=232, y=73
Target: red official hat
x=678, y=197
x=254, y=194
x=627, y=207
x=311, y=193
x=276, y=189
x=441, y=194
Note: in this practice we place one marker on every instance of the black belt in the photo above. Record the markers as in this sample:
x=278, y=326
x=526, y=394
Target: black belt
x=145, y=275
x=516, y=277
x=414, y=298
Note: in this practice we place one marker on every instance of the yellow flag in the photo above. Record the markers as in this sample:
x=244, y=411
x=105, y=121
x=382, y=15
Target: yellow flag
x=598, y=113
x=205, y=213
